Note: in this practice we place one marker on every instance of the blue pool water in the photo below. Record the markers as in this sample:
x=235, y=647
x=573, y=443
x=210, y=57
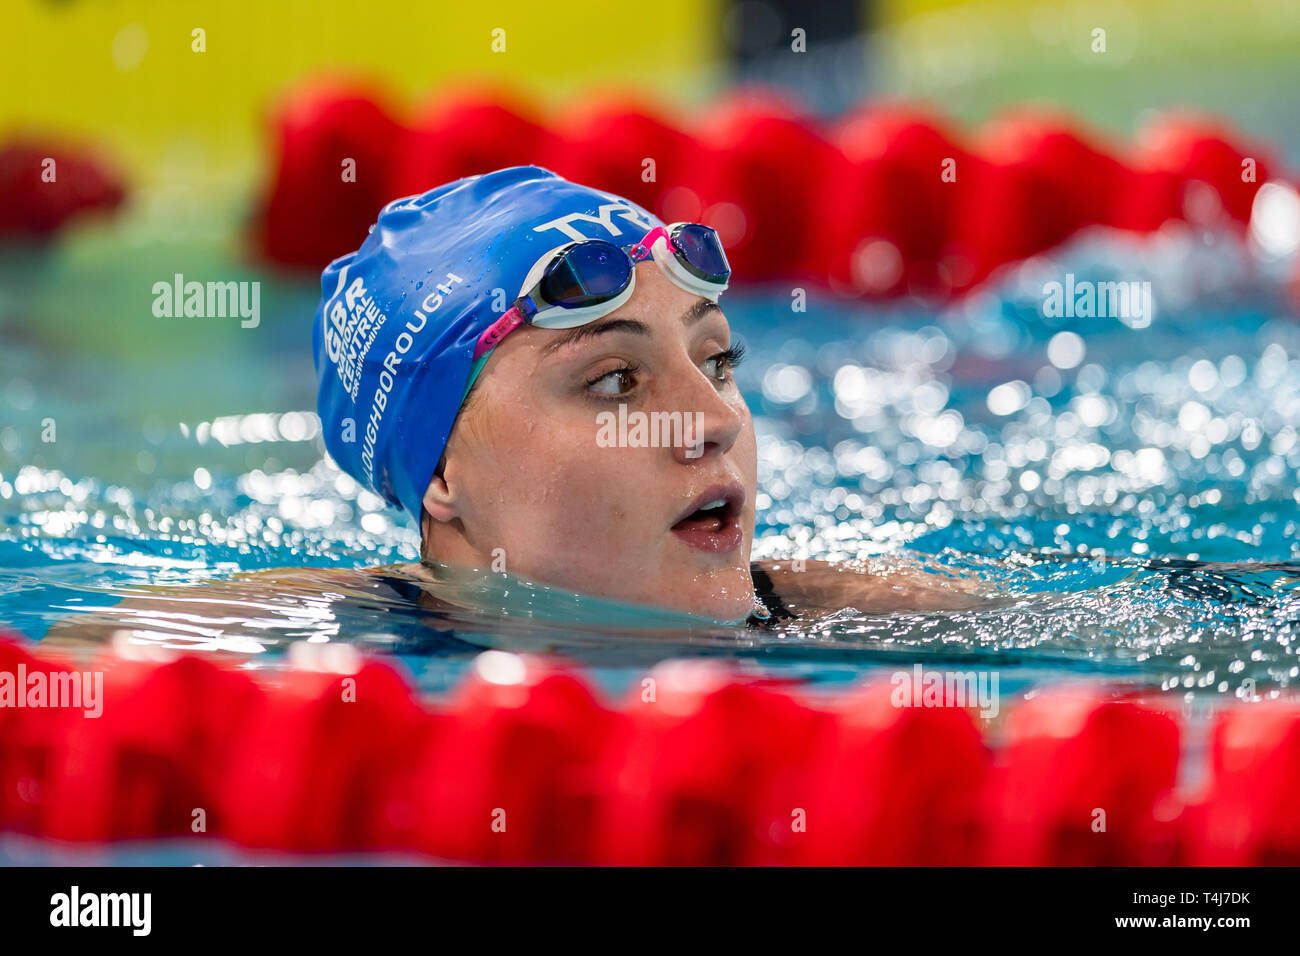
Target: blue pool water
x=1132, y=484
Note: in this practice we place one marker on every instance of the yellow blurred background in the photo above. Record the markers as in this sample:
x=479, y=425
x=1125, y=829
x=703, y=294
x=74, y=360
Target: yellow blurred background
x=124, y=72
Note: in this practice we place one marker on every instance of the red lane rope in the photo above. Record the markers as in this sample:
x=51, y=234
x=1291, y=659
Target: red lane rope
x=887, y=200
x=48, y=180
x=698, y=765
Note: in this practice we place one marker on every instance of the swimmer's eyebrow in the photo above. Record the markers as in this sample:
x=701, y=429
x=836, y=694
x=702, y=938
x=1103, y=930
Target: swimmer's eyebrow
x=692, y=315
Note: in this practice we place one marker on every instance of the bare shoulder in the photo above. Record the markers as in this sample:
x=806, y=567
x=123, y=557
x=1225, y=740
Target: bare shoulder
x=874, y=586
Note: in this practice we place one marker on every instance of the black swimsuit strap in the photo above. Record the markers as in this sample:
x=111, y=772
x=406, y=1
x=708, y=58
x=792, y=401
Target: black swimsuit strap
x=408, y=589
x=766, y=595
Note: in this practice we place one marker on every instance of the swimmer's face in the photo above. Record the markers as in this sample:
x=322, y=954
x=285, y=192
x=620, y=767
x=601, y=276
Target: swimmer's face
x=538, y=466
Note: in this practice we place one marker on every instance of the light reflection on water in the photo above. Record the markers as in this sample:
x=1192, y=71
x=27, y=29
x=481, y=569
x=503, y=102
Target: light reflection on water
x=1133, y=491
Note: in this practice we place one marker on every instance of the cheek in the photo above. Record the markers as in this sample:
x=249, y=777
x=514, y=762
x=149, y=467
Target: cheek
x=549, y=471
x=580, y=487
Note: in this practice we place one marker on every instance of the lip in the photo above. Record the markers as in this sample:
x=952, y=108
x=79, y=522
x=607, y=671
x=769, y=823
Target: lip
x=723, y=540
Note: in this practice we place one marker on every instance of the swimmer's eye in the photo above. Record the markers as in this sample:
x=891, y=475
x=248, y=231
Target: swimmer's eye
x=724, y=363
x=619, y=381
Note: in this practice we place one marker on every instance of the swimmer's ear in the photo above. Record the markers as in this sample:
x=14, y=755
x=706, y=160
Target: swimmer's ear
x=439, y=502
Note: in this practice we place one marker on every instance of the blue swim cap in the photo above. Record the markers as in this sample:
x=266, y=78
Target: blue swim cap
x=398, y=319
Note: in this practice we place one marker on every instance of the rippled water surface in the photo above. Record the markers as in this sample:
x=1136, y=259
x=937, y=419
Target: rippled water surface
x=1131, y=485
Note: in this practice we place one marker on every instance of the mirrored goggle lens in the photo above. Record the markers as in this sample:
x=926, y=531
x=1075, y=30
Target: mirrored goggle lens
x=701, y=252
x=586, y=274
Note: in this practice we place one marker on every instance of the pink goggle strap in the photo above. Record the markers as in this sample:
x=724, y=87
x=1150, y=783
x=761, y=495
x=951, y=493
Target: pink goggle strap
x=497, y=331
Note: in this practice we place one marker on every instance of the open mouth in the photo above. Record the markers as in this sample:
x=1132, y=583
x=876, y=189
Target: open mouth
x=712, y=523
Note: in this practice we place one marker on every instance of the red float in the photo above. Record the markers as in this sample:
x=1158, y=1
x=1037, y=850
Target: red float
x=511, y=777
x=1217, y=172
x=1040, y=182
x=1248, y=816
x=324, y=762
x=758, y=180
x=1081, y=780
x=886, y=221
x=893, y=785
x=465, y=131
x=707, y=770
x=334, y=145
x=617, y=143
x=45, y=184
x=152, y=758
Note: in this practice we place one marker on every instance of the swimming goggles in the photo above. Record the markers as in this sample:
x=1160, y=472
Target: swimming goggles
x=582, y=281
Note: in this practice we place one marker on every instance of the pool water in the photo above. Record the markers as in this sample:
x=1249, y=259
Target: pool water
x=1130, y=483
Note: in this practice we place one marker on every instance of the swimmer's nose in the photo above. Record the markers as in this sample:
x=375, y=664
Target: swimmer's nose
x=711, y=424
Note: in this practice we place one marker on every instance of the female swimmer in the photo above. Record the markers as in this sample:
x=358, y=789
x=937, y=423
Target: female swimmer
x=471, y=357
